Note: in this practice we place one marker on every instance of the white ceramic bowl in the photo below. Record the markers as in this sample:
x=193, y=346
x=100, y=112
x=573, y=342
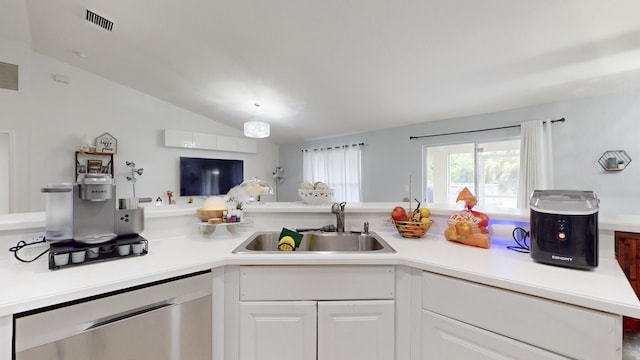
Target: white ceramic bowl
x=316, y=197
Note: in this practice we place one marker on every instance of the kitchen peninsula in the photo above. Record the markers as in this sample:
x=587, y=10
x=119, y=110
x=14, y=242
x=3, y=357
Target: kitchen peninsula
x=499, y=296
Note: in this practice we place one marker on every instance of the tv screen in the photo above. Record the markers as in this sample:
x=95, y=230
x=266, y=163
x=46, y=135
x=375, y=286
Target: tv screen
x=204, y=177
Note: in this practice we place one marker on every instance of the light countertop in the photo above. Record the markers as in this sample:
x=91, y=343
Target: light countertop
x=27, y=286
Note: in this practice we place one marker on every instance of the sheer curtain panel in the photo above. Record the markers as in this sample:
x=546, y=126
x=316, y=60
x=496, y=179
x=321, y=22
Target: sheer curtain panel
x=339, y=167
x=536, y=159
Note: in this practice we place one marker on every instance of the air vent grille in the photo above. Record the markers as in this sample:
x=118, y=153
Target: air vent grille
x=99, y=20
x=8, y=76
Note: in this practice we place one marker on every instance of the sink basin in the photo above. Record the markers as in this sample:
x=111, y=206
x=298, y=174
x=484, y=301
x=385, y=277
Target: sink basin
x=317, y=242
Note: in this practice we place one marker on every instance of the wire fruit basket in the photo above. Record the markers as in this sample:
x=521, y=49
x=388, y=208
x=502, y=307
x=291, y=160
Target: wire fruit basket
x=412, y=229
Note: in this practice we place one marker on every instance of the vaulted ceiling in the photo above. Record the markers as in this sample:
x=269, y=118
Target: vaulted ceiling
x=327, y=68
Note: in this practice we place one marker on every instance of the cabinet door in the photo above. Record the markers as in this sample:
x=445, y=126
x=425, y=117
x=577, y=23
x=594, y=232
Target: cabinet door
x=627, y=247
x=178, y=138
x=283, y=330
x=444, y=338
x=349, y=330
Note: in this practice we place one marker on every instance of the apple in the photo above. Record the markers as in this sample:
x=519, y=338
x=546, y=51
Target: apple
x=399, y=214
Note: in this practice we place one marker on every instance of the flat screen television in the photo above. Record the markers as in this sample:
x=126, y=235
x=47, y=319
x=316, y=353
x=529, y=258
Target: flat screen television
x=205, y=177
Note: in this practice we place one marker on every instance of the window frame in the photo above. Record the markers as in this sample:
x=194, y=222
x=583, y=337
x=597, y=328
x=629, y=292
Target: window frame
x=476, y=147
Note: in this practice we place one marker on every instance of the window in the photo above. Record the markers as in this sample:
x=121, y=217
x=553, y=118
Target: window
x=489, y=169
x=340, y=167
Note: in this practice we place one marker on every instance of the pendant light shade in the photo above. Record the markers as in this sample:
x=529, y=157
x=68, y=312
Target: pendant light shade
x=257, y=129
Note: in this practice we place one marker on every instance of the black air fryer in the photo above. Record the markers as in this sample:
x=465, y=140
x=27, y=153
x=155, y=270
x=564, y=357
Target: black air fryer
x=564, y=228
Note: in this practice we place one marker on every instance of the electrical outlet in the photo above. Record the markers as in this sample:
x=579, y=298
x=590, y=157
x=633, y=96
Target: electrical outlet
x=32, y=237
x=385, y=221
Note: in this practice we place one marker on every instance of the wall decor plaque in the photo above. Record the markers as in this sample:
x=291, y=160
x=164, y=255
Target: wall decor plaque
x=106, y=143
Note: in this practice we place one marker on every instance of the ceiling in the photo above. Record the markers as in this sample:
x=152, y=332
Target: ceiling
x=334, y=67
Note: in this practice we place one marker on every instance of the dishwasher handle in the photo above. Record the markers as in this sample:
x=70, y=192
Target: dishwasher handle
x=126, y=315
x=92, y=325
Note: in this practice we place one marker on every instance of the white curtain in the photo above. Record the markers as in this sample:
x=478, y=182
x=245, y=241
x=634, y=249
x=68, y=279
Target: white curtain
x=536, y=159
x=339, y=167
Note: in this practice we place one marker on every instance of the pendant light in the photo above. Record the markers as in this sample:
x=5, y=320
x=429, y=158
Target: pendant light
x=255, y=128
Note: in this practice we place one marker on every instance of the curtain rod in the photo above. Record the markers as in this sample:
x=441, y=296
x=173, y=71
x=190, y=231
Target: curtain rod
x=473, y=131
x=333, y=147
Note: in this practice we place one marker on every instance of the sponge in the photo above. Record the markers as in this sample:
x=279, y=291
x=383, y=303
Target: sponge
x=286, y=244
x=296, y=236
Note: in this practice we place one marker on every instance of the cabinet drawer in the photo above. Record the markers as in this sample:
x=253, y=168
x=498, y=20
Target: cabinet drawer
x=565, y=329
x=316, y=282
x=444, y=338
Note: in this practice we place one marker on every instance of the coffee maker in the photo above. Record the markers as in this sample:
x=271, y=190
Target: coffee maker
x=81, y=218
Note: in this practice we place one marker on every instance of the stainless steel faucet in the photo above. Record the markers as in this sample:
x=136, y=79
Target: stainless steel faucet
x=338, y=209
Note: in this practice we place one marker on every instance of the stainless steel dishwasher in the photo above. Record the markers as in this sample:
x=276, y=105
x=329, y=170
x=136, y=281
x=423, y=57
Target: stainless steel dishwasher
x=163, y=320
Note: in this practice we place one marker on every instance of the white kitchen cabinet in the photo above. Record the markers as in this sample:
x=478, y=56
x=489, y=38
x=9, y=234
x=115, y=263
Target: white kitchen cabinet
x=178, y=138
x=330, y=312
x=283, y=330
x=349, y=330
x=206, y=141
x=6, y=337
x=444, y=339
x=339, y=330
x=463, y=317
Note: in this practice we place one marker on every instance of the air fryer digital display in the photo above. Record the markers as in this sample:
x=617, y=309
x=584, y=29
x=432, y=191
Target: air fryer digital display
x=565, y=240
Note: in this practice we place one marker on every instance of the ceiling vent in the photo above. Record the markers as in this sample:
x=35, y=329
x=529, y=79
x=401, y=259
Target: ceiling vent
x=99, y=20
x=8, y=76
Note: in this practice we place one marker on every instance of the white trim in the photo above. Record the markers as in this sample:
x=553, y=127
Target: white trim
x=12, y=168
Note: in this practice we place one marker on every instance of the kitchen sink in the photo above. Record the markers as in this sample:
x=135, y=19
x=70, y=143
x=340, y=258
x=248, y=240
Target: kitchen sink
x=317, y=242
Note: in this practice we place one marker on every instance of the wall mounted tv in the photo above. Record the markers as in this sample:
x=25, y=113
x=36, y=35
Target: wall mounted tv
x=205, y=177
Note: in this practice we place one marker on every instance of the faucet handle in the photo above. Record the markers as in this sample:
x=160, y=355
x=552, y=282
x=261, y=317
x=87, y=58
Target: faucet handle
x=366, y=227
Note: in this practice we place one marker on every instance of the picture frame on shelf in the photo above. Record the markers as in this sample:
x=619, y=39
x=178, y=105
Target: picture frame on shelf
x=94, y=166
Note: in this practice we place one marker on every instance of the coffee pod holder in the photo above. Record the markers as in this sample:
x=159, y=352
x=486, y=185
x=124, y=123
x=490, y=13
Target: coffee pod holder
x=63, y=255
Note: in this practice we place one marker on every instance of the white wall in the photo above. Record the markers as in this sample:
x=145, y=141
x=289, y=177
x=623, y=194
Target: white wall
x=51, y=119
x=593, y=125
x=4, y=175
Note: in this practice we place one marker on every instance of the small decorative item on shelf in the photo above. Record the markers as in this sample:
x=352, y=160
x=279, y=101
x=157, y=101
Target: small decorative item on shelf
x=614, y=160
x=212, y=208
x=93, y=162
x=106, y=143
x=94, y=166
